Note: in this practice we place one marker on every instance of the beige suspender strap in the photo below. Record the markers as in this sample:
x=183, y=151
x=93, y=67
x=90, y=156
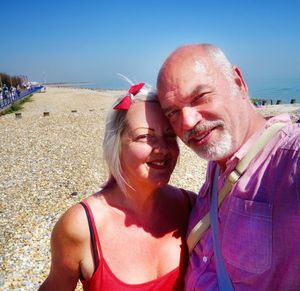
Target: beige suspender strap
x=259, y=144
x=204, y=223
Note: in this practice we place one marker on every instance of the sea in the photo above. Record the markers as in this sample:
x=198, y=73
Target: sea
x=284, y=90
x=270, y=90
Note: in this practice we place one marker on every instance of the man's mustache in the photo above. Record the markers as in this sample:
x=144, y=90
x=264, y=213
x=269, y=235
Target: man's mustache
x=202, y=127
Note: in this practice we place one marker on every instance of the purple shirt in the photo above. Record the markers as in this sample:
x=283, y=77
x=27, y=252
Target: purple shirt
x=259, y=220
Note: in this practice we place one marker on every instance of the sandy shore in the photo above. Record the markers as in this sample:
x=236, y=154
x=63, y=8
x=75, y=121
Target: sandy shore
x=50, y=163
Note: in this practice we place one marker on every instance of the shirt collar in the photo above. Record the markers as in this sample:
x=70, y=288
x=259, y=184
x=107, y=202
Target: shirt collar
x=242, y=151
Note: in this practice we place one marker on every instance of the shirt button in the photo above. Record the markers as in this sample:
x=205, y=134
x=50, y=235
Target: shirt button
x=205, y=259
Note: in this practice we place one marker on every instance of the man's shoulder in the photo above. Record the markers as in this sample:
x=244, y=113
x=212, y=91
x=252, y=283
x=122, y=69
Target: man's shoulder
x=290, y=137
x=283, y=157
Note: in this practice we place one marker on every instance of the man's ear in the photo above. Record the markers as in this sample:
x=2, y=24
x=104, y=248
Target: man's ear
x=239, y=80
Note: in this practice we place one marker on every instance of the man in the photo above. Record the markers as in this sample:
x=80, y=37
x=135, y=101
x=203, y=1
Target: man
x=206, y=100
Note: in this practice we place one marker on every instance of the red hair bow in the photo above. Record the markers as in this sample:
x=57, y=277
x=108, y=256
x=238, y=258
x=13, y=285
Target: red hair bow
x=126, y=101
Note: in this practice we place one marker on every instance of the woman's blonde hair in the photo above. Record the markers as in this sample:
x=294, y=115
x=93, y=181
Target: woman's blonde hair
x=114, y=128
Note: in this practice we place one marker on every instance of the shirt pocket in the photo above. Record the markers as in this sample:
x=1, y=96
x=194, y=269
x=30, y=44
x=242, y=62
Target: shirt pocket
x=247, y=236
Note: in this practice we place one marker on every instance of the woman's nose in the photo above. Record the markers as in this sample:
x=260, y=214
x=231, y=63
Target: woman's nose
x=161, y=145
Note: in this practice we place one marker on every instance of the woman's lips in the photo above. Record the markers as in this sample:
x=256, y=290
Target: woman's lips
x=161, y=164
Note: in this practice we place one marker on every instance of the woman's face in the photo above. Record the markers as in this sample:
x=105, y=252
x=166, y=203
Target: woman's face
x=149, y=148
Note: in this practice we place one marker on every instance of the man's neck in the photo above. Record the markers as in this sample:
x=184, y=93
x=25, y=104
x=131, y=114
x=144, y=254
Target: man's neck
x=257, y=123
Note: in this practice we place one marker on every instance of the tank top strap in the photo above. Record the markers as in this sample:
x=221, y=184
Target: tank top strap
x=95, y=242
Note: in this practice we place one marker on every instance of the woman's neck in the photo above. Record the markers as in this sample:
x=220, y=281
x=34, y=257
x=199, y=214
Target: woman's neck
x=140, y=203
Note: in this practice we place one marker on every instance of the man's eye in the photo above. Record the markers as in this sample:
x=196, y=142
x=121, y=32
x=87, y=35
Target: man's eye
x=199, y=98
x=172, y=115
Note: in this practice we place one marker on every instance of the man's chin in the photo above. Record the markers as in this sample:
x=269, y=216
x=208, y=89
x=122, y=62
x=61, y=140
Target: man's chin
x=204, y=153
x=213, y=154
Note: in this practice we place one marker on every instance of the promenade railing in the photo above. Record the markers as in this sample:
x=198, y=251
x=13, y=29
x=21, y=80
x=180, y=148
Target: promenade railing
x=7, y=98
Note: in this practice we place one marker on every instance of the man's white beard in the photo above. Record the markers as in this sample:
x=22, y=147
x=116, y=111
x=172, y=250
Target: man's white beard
x=218, y=150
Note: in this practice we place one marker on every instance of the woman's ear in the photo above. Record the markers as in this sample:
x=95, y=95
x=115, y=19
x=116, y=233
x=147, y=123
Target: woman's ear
x=239, y=80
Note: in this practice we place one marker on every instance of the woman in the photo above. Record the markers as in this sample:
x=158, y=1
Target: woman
x=131, y=234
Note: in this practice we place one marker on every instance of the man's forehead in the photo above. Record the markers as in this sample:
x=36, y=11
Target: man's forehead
x=199, y=67
x=172, y=98
x=185, y=79
x=180, y=73
x=182, y=93
x=172, y=92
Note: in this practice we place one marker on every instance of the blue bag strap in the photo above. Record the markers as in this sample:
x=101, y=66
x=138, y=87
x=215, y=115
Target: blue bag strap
x=223, y=277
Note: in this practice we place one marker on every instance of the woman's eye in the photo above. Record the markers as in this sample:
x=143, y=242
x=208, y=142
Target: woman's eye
x=144, y=137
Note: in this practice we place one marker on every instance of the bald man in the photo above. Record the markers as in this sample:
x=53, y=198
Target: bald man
x=252, y=242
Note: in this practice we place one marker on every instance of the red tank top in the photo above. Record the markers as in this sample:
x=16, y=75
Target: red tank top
x=104, y=279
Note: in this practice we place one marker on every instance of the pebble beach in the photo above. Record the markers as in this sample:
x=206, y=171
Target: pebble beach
x=48, y=163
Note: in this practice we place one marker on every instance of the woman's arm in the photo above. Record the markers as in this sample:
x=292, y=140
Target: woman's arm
x=67, y=248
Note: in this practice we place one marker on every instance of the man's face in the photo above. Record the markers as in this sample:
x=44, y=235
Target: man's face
x=203, y=106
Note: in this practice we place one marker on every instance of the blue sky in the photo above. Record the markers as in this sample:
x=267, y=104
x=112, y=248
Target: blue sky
x=94, y=40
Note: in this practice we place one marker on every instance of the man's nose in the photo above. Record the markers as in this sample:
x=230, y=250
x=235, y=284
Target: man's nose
x=189, y=118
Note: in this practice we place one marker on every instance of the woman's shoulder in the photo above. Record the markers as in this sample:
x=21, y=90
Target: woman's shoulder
x=70, y=225
x=181, y=194
x=73, y=227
